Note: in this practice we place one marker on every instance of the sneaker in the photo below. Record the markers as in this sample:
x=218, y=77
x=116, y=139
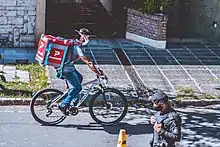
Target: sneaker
x=64, y=109
x=74, y=103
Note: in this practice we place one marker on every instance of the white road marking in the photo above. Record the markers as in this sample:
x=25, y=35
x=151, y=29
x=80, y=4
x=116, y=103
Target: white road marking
x=174, y=90
x=185, y=71
x=200, y=61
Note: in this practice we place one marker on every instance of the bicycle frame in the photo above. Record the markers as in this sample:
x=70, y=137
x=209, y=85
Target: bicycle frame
x=94, y=83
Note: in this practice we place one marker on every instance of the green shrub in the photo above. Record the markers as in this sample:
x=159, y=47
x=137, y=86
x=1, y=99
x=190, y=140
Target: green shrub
x=38, y=75
x=154, y=6
x=38, y=80
x=149, y=6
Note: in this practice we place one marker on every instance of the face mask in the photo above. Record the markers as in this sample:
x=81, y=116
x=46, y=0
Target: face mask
x=86, y=40
x=158, y=107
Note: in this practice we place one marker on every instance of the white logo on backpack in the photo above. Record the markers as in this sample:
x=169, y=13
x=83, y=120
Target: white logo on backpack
x=57, y=53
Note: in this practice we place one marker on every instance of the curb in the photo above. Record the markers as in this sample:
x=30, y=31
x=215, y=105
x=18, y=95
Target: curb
x=202, y=102
x=175, y=103
x=14, y=101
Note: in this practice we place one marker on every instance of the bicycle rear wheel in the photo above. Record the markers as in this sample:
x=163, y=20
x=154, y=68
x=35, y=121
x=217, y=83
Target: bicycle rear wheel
x=108, y=107
x=42, y=110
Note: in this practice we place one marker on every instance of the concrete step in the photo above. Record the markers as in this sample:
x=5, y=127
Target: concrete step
x=185, y=40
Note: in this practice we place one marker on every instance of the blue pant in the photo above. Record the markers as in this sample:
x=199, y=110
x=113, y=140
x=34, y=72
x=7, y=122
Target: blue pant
x=75, y=79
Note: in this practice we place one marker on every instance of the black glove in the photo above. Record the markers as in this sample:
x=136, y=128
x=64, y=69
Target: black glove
x=103, y=76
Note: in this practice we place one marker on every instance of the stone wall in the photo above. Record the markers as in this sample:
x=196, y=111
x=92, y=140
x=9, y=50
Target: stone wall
x=17, y=23
x=203, y=14
x=152, y=27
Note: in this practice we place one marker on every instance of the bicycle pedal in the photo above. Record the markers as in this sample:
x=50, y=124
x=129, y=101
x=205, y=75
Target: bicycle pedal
x=64, y=110
x=73, y=110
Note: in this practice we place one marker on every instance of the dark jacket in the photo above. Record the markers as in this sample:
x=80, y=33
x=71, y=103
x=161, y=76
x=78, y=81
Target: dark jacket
x=171, y=129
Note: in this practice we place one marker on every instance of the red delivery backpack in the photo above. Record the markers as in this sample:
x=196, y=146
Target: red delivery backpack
x=52, y=51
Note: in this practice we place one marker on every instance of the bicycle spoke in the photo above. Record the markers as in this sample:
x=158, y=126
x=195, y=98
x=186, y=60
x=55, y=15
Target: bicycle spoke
x=108, y=107
x=46, y=112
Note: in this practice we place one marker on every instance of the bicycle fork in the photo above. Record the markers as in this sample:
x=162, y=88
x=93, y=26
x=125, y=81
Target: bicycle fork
x=107, y=105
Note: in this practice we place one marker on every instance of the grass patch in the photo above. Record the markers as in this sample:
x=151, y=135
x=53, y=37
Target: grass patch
x=187, y=93
x=38, y=80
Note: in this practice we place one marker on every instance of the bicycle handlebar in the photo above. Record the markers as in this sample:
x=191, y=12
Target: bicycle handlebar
x=102, y=73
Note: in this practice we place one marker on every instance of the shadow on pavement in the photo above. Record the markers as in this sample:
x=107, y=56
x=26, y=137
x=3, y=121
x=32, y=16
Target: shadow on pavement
x=130, y=129
x=136, y=129
x=90, y=126
x=200, y=128
x=139, y=54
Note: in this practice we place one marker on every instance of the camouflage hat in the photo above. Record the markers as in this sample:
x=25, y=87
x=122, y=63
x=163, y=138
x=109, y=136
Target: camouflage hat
x=159, y=97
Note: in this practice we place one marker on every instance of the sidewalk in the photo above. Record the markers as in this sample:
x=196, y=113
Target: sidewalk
x=181, y=65
x=13, y=75
x=132, y=67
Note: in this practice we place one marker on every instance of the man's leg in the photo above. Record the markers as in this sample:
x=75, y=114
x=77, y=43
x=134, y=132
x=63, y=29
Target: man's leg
x=73, y=79
x=80, y=77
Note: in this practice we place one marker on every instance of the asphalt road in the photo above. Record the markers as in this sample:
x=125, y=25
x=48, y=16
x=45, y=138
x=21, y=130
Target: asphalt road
x=18, y=129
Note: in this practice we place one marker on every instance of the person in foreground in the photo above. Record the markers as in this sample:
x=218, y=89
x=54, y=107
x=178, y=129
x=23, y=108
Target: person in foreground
x=166, y=122
x=71, y=74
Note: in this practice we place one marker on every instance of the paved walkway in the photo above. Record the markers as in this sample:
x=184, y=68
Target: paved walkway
x=192, y=65
x=181, y=65
x=12, y=74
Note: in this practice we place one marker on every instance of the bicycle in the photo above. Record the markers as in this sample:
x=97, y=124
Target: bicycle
x=110, y=99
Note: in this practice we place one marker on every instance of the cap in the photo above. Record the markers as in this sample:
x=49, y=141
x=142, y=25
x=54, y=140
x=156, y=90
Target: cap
x=84, y=31
x=159, y=97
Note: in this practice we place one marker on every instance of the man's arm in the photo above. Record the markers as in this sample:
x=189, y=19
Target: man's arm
x=90, y=64
x=86, y=60
x=174, y=132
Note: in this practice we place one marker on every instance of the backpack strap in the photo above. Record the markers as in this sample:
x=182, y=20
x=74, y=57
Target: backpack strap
x=69, y=56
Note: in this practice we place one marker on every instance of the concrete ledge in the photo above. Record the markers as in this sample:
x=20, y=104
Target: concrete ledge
x=145, y=40
x=185, y=40
x=203, y=102
x=14, y=101
x=17, y=55
x=175, y=103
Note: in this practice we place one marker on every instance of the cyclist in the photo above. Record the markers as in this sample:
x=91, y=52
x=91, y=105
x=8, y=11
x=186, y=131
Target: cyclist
x=69, y=71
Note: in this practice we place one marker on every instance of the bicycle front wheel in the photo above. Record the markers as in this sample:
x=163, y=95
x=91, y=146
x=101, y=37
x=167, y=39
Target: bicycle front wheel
x=108, y=107
x=42, y=108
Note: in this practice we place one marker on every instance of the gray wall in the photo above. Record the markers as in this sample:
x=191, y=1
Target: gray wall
x=17, y=22
x=203, y=13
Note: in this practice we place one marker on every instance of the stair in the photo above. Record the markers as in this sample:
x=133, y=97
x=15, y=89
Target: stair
x=64, y=17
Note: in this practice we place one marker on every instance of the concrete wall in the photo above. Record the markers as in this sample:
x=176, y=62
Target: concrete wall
x=17, y=22
x=203, y=14
x=40, y=18
x=107, y=4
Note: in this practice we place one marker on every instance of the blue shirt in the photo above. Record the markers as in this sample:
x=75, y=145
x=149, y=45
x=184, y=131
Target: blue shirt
x=76, y=54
